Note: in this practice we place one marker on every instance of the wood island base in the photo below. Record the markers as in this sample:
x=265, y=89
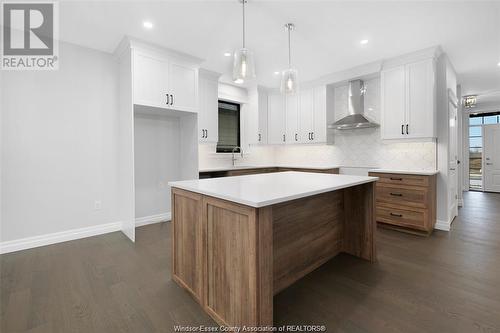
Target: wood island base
x=234, y=258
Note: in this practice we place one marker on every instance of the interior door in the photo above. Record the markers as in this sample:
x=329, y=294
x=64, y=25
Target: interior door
x=452, y=160
x=491, y=163
x=183, y=87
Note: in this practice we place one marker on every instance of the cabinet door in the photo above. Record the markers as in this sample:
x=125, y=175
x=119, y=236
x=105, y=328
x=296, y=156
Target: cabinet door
x=393, y=103
x=306, y=115
x=211, y=109
x=319, y=116
x=262, y=122
x=276, y=119
x=292, y=118
x=420, y=87
x=202, y=98
x=183, y=87
x=150, y=80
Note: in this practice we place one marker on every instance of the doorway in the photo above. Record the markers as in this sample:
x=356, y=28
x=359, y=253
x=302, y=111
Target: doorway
x=491, y=162
x=477, y=125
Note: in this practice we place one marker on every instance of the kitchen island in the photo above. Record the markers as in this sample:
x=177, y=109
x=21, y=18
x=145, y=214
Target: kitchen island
x=238, y=241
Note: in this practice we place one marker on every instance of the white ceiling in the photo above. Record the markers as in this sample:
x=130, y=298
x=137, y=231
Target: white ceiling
x=326, y=39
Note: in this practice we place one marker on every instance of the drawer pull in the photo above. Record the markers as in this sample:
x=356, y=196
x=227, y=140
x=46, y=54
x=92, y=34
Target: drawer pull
x=396, y=194
x=393, y=178
x=397, y=215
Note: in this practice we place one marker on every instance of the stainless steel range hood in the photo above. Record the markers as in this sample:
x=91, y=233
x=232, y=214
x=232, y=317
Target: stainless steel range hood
x=356, y=118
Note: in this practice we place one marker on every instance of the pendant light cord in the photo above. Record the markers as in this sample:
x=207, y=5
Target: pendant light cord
x=289, y=48
x=243, y=1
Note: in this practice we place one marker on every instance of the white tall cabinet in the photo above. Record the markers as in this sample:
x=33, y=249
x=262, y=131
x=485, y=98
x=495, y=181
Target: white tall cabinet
x=312, y=115
x=256, y=117
x=409, y=101
x=155, y=83
x=208, y=113
x=276, y=119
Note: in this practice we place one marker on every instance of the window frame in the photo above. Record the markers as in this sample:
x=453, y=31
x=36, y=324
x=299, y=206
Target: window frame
x=221, y=150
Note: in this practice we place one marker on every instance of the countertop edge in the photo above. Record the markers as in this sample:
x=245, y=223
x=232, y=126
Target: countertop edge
x=406, y=172
x=272, y=201
x=246, y=167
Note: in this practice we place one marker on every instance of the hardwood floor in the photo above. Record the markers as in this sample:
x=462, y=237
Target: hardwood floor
x=448, y=282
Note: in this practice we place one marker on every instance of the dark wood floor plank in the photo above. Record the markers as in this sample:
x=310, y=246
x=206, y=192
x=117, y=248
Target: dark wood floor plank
x=448, y=282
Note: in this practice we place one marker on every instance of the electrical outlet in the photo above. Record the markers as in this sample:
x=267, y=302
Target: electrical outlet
x=97, y=204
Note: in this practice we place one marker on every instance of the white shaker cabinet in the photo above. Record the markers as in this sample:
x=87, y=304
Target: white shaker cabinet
x=255, y=119
x=408, y=101
x=292, y=119
x=208, y=113
x=276, y=119
x=163, y=81
x=312, y=115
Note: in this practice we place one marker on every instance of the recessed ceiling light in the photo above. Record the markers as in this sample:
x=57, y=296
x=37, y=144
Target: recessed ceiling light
x=276, y=73
x=227, y=54
x=147, y=25
x=239, y=81
x=363, y=41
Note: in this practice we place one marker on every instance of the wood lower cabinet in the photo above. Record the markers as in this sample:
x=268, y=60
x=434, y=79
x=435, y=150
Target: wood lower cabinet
x=406, y=202
x=254, y=171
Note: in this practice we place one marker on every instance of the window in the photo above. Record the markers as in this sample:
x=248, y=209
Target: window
x=476, y=123
x=229, y=127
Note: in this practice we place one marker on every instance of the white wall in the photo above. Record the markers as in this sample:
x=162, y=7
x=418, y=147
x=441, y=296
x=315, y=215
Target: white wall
x=157, y=151
x=59, y=150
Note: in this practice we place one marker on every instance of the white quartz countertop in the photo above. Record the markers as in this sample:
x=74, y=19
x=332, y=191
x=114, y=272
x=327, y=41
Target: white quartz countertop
x=271, y=188
x=407, y=172
x=244, y=167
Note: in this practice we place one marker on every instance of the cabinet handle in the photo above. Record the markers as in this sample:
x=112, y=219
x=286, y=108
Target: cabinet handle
x=168, y=99
x=403, y=129
x=283, y=137
x=296, y=138
x=206, y=133
x=203, y=133
x=312, y=135
x=260, y=137
x=396, y=194
x=407, y=129
x=171, y=99
x=393, y=178
x=397, y=215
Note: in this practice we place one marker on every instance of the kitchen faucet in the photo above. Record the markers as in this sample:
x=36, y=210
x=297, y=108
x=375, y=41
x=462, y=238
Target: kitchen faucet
x=241, y=152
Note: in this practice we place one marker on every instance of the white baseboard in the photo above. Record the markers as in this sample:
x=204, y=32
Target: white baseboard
x=460, y=202
x=140, y=221
x=442, y=225
x=58, y=237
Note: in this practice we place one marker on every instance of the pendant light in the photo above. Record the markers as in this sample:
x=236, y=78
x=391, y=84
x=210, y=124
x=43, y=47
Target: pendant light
x=289, y=77
x=243, y=66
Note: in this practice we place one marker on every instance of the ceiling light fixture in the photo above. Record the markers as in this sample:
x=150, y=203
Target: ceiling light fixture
x=469, y=101
x=227, y=54
x=243, y=66
x=147, y=25
x=277, y=73
x=289, y=77
x=363, y=41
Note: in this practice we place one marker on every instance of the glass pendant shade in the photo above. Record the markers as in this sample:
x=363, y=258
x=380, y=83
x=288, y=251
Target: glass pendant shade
x=289, y=81
x=243, y=66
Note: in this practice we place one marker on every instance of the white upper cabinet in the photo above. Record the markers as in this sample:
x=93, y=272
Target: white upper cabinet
x=306, y=115
x=184, y=86
x=276, y=119
x=262, y=135
x=208, y=113
x=312, y=114
x=164, y=80
x=319, y=110
x=150, y=80
x=292, y=119
x=408, y=101
x=256, y=117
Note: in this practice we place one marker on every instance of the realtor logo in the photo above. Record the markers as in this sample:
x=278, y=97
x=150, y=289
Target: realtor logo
x=29, y=36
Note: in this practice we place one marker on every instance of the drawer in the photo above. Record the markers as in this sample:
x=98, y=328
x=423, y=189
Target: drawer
x=402, y=195
x=399, y=179
x=406, y=218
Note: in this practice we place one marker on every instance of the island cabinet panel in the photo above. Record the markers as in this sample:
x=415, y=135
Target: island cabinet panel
x=306, y=233
x=188, y=241
x=359, y=222
x=239, y=270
